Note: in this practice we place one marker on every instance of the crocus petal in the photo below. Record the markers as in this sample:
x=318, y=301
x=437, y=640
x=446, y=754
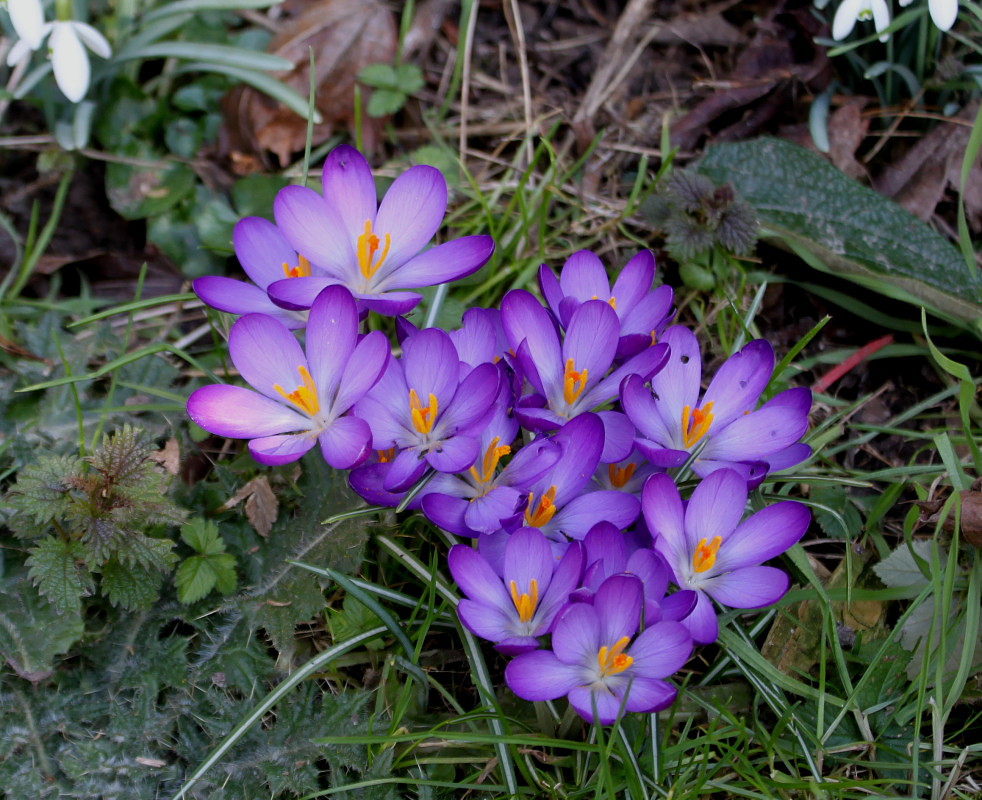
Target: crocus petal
x=764, y=535
x=69, y=61
x=647, y=695
x=677, y=383
x=475, y=577
x=750, y=587
x=530, y=463
x=363, y=370
x=702, y=622
x=484, y=514
x=528, y=557
x=525, y=320
x=596, y=706
x=550, y=288
x=618, y=607
x=738, y=383
x=298, y=294
x=581, y=513
x=472, y=403
x=405, y=469
x=332, y=332
x=943, y=13
x=618, y=437
x=755, y=436
x=591, y=339
x=266, y=354
x=581, y=440
x=643, y=364
x=716, y=507
x=239, y=413
x=348, y=185
x=663, y=512
x=411, y=212
x=431, y=366
x=441, y=264
x=541, y=676
x=642, y=410
x=454, y=455
x=634, y=283
x=583, y=276
x=276, y=450
x=262, y=250
x=661, y=649
x=488, y=622
x=346, y=442
x=389, y=304
x=576, y=637
x=788, y=457
x=313, y=227
x=239, y=297
x=651, y=312
x=447, y=512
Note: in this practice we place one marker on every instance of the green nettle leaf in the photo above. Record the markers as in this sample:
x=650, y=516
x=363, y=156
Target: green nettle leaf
x=195, y=578
x=130, y=585
x=23, y=614
x=43, y=492
x=145, y=551
x=837, y=225
x=123, y=456
x=57, y=568
x=352, y=619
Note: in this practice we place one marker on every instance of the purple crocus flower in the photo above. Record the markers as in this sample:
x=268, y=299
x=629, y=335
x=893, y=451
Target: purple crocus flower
x=266, y=257
x=571, y=377
x=643, y=313
x=715, y=554
x=595, y=662
x=673, y=421
x=558, y=503
x=300, y=400
x=425, y=412
x=514, y=608
x=374, y=250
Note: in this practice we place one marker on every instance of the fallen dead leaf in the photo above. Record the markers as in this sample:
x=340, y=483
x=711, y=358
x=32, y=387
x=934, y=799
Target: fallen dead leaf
x=847, y=129
x=169, y=457
x=261, y=507
x=345, y=35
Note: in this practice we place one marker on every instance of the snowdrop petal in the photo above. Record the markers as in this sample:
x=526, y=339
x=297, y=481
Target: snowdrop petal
x=27, y=17
x=69, y=61
x=845, y=18
x=943, y=13
x=92, y=39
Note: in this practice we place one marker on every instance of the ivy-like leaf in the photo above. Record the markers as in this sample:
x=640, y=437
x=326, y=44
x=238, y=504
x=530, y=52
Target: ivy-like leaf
x=131, y=586
x=57, y=568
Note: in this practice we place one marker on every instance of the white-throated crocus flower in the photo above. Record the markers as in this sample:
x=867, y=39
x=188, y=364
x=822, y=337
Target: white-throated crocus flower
x=713, y=552
x=300, y=399
x=674, y=418
x=376, y=250
x=428, y=411
x=600, y=661
x=643, y=312
x=513, y=608
x=67, y=40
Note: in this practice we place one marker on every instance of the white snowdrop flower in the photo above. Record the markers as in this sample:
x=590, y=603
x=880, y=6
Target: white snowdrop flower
x=943, y=13
x=851, y=10
x=27, y=17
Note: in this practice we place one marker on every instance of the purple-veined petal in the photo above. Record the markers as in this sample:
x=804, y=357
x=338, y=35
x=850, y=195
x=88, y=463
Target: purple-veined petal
x=664, y=515
x=581, y=440
x=487, y=621
x=282, y=449
x=716, y=507
x=749, y=587
x=367, y=481
x=541, y=676
x=364, y=369
x=516, y=645
x=634, y=282
x=239, y=413
x=755, y=436
x=599, y=706
x=484, y=514
x=702, y=622
x=411, y=212
x=550, y=288
x=738, y=383
x=528, y=557
x=618, y=605
x=472, y=403
x=441, y=264
x=641, y=408
x=676, y=607
x=644, y=364
x=537, y=419
x=576, y=635
x=591, y=339
x=661, y=650
x=332, y=332
x=662, y=457
x=404, y=470
x=239, y=297
x=431, y=365
x=348, y=185
x=583, y=276
x=764, y=535
x=297, y=294
x=262, y=250
x=390, y=304
x=581, y=513
x=524, y=319
x=650, y=314
x=447, y=512
x=476, y=578
x=676, y=384
x=266, y=355
x=618, y=436
x=313, y=227
x=454, y=454
x=346, y=442
x=530, y=463
x=647, y=695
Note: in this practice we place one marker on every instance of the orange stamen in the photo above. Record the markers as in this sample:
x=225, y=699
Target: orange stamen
x=620, y=475
x=695, y=423
x=491, y=458
x=304, y=396
x=613, y=659
x=301, y=270
x=525, y=603
x=705, y=555
x=573, y=382
x=367, y=246
x=385, y=456
x=423, y=418
x=539, y=514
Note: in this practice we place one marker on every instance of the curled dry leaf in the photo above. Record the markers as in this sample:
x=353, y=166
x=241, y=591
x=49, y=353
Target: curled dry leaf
x=345, y=35
x=168, y=456
x=970, y=515
x=261, y=505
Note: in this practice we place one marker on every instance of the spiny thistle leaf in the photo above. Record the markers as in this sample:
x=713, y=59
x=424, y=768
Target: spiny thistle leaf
x=43, y=492
x=57, y=570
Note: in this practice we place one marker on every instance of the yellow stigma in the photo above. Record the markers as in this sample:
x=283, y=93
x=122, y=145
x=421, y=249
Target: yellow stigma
x=423, y=418
x=525, y=603
x=620, y=475
x=705, y=555
x=385, y=456
x=368, y=245
x=301, y=270
x=491, y=458
x=304, y=396
x=695, y=423
x=573, y=382
x=539, y=514
x=613, y=659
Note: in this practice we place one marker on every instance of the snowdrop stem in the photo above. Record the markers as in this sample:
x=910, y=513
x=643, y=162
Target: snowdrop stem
x=63, y=10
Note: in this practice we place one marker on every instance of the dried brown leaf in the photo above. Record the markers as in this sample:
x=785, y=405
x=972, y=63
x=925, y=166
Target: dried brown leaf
x=345, y=35
x=169, y=457
x=847, y=129
x=261, y=505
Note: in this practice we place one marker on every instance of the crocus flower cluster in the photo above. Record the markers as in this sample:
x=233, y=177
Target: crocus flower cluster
x=553, y=436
